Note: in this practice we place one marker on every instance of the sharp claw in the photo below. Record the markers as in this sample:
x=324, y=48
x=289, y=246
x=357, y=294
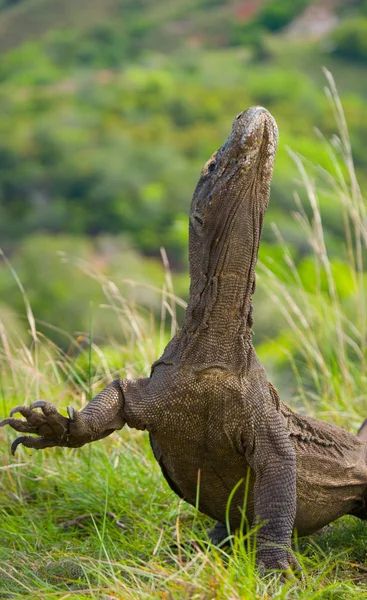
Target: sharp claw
x=38, y=404
x=71, y=413
x=16, y=409
x=16, y=443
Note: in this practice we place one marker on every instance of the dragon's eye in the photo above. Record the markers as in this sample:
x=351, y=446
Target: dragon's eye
x=211, y=167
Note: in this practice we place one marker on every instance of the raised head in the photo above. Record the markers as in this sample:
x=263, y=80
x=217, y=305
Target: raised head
x=232, y=195
x=226, y=218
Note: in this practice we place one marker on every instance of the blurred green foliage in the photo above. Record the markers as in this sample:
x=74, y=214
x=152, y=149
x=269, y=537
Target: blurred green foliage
x=120, y=151
x=8, y=3
x=71, y=281
x=274, y=15
x=350, y=39
x=107, y=113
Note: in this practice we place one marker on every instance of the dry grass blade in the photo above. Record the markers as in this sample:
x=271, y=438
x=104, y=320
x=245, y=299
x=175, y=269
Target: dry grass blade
x=28, y=309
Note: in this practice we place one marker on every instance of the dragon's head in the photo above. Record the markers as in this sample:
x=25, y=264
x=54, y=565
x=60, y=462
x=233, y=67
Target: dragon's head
x=231, y=197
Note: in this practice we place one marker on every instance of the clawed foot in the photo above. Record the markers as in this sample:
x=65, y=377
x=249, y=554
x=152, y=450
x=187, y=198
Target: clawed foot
x=278, y=559
x=52, y=428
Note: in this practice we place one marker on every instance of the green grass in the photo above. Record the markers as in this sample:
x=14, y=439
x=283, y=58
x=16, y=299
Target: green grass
x=100, y=522
x=40, y=558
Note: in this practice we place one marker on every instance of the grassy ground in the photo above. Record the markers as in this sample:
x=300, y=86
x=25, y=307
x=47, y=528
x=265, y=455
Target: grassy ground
x=100, y=522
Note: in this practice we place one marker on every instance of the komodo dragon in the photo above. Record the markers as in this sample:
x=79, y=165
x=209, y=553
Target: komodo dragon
x=212, y=415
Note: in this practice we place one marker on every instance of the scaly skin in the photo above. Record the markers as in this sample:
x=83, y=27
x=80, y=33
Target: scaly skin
x=212, y=415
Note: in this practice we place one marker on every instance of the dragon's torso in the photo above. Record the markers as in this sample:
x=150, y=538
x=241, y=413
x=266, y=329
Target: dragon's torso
x=196, y=434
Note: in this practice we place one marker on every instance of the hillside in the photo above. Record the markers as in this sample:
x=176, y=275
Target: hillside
x=163, y=25
x=157, y=24
x=29, y=19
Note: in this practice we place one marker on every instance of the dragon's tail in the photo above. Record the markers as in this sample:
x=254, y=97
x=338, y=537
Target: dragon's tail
x=362, y=431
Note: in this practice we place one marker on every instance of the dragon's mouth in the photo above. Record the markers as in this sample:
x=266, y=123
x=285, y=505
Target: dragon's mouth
x=260, y=126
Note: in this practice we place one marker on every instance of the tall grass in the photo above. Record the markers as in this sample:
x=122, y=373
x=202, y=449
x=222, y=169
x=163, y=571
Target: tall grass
x=325, y=312
x=100, y=522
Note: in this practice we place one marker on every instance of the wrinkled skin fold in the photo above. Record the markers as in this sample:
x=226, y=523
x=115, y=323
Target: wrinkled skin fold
x=209, y=408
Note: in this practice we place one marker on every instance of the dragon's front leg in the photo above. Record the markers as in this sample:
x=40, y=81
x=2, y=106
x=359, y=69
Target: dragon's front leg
x=102, y=416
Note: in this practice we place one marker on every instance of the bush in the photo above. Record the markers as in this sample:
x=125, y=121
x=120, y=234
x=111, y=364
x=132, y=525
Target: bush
x=350, y=39
x=246, y=33
x=274, y=15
